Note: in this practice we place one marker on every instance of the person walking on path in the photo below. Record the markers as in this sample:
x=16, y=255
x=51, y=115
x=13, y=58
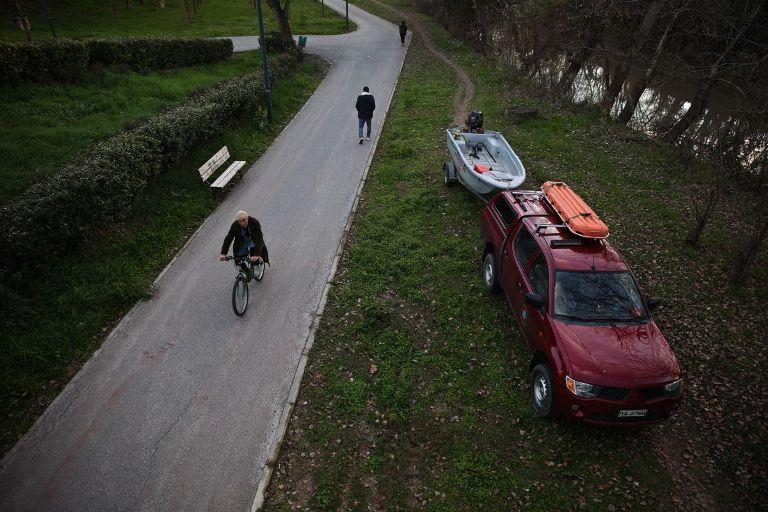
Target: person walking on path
x=403, y=31
x=365, y=106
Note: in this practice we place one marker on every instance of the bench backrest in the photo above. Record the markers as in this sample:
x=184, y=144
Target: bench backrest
x=214, y=163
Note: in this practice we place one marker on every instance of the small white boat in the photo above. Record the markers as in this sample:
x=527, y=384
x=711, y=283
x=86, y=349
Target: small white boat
x=482, y=162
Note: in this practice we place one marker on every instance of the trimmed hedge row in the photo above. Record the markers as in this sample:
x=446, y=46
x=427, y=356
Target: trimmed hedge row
x=158, y=53
x=103, y=185
x=64, y=59
x=61, y=59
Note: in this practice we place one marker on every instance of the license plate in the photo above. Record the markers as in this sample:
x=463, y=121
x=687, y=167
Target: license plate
x=633, y=413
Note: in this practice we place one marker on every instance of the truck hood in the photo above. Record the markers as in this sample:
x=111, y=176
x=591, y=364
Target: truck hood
x=624, y=355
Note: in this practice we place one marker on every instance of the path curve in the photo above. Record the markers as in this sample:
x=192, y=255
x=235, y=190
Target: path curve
x=182, y=405
x=464, y=95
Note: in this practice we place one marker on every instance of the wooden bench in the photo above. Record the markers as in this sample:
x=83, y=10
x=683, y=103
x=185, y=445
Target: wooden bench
x=216, y=161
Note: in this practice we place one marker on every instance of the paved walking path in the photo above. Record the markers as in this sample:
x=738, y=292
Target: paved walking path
x=179, y=408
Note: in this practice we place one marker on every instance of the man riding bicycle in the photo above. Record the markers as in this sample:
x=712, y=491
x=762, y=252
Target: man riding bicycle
x=249, y=241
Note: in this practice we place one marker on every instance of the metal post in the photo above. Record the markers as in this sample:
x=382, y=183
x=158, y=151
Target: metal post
x=346, y=21
x=265, y=64
x=48, y=17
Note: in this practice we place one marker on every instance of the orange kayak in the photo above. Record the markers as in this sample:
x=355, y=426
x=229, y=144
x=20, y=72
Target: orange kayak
x=574, y=212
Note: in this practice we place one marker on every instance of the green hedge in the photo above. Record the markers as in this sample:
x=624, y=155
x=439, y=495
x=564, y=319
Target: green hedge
x=61, y=59
x=64, y=59
x=158, y=53
x=102, y=186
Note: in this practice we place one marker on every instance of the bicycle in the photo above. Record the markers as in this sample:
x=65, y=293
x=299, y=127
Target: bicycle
x=246, y=271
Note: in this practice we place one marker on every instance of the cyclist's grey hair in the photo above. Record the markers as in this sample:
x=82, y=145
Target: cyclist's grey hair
x=242, y=214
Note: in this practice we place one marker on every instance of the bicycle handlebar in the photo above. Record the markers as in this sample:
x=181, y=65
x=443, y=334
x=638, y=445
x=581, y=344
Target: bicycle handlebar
x=230, y=258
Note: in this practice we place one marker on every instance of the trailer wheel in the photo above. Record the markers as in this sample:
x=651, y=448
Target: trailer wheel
x=449, y=174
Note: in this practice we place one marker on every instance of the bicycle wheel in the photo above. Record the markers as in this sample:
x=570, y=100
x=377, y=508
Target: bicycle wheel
x=258, y=271
x=240, y=296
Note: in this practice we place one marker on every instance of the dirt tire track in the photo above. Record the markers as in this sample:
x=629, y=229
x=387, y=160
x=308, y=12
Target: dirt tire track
x=464, y=94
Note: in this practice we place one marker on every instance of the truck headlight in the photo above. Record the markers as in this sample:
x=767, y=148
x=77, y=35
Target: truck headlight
x=582, y=389
x=674, y=388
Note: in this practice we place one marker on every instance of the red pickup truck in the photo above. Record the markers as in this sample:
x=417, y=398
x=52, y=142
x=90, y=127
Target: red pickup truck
x=597, y=355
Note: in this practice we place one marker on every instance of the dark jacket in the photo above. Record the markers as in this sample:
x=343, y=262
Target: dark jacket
x=403, y=29
x=236, y=233
x=365, y=106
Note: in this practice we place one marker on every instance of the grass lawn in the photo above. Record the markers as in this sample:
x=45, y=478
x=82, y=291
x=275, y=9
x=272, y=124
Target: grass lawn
x=46, y=125
x=84, y=19
x=415, y=394
x=53, y=321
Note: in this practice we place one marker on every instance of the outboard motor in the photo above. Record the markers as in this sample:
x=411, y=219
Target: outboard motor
x=475, y=122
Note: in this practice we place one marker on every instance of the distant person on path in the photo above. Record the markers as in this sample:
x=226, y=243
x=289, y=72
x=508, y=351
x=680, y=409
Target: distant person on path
x=249, y=240
x=365, y=106
x=403, y=31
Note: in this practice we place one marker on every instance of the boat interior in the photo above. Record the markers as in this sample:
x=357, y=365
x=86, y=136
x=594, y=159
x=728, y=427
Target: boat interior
x=488, y=155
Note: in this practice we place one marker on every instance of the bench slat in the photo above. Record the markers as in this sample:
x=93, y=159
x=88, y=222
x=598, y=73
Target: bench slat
x=228, y=174
x=214, y=163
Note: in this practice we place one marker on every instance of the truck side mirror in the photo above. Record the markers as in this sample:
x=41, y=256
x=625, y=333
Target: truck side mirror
x=653, y=302
x=535, y=300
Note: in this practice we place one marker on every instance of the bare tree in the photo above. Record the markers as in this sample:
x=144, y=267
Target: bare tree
x=636, y=89
x=619, y=76
x=701, y=100
x=749, y=252
x=595, y=22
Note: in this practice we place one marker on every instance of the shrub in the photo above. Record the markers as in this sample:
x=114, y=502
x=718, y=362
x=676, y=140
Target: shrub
x=65, y=59
x=158, y=53
x=60, y=59
x=102, y=186
x=273, y=42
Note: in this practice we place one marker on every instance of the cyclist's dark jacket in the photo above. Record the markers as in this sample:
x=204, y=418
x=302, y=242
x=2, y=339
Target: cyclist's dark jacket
x=236, y=234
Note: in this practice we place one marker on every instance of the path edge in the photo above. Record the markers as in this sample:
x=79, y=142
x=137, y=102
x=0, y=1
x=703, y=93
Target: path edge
x=258, y=500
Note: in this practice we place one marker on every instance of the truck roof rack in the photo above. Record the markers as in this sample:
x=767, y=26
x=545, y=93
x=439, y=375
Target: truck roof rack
x=517, y=195
x=568, y=242
x=539, y=227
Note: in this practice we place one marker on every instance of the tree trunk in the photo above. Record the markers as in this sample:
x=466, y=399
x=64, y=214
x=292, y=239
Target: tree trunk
x=24, y=22
x=577, y=62
x=623, y=69
x=749, y=254
x=287, y=9
x=583, y=53
x=703, y=216
x=701, y=100
x=185, y=10
x=282, y=21
x=637, y=89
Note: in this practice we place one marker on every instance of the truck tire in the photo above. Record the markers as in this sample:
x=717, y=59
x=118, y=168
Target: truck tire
x=490, y=279
x=543, y=391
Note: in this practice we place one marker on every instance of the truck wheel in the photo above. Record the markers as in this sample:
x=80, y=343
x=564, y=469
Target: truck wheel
x=489, y=274
x=449, y=174
x=543, y=391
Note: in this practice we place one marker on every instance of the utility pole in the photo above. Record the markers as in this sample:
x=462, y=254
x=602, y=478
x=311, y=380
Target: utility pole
x=346, y=21
x=265, y=64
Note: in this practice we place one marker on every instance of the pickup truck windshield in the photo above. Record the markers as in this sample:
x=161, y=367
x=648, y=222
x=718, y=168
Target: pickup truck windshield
x=597, y=296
